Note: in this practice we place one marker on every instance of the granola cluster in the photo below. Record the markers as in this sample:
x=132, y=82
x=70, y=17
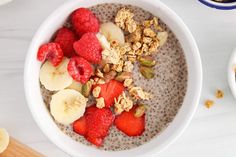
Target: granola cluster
x=142, y=38
x=141, y=41
x=123, y=103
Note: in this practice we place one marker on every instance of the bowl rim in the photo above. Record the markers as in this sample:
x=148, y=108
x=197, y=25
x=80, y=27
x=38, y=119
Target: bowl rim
x=185, y=117
x=231, y=73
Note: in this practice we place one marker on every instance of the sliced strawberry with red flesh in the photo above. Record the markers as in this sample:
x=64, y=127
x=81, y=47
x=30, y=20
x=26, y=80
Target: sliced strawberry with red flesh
x=99, y=122
x=96, y=141
x=95, y=124
x=52, y=52
x=79, y=126
x=129, y=124
x=111, y=90
x=66, y=38
x=79, y=69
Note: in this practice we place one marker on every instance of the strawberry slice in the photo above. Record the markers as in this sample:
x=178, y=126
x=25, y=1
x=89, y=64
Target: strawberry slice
x=79, y=126
x=52, y=52
x=96, y=141
x=110, y=91
x=95, y=124
x=129, y=124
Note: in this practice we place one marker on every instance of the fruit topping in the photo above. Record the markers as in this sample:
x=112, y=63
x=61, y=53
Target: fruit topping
x=109, y=91
x=55, y=78
x=84, y=21
x=129, y=124
x=51, y=52
x=79, y=69
x=95, y=124
x=112, y=32
x=79, y=126
x=89, y=48
x=67, y=105
x=65, y=38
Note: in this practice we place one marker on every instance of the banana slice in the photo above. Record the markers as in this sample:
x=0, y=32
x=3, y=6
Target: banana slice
x=162, y=37
x=112, y=32
x=67, y=106
x=76, y=86
x=55, y=78
x=103, y=41
x=4, y=140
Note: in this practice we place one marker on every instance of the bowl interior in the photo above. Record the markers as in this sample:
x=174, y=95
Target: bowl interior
x=46, y=123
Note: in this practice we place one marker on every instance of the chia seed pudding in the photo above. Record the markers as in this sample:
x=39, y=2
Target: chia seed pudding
x=168, y=87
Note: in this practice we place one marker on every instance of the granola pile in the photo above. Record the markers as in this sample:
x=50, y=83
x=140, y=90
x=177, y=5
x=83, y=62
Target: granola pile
x=142, y=41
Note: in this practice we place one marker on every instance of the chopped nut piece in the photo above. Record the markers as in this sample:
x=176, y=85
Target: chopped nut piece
x=219, y=94
x=149, y=32
x=100, y=102
x=128, y=82
x=86, y=88
x=147, y=61
x=109, y=76
x=138, y=93
x=98, y=81
x=123, y=103
x=99, y=73
x=124, y=75
x=140, y=110
x=147, y=72
x=209, y=103
x=106, y=68
x=96, y=91
x=101, y=81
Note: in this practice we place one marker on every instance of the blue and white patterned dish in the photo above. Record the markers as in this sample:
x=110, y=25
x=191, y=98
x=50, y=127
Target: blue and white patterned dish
x=219, y=5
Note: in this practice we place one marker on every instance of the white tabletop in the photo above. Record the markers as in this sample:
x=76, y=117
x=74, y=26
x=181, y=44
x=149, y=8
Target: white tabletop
x=212, y=132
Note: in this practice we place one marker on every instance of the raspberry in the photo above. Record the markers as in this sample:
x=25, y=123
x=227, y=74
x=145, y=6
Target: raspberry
x=84, y=21
x=79, y=69
x=89, y=48
x=65, y=38
x=50, y=51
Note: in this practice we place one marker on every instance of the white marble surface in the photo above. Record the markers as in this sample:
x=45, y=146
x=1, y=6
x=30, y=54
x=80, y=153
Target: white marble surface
x=212, y=132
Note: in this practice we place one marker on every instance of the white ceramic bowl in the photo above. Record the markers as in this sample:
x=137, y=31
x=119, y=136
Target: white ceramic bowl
x=158, y=143
x=231, y=73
